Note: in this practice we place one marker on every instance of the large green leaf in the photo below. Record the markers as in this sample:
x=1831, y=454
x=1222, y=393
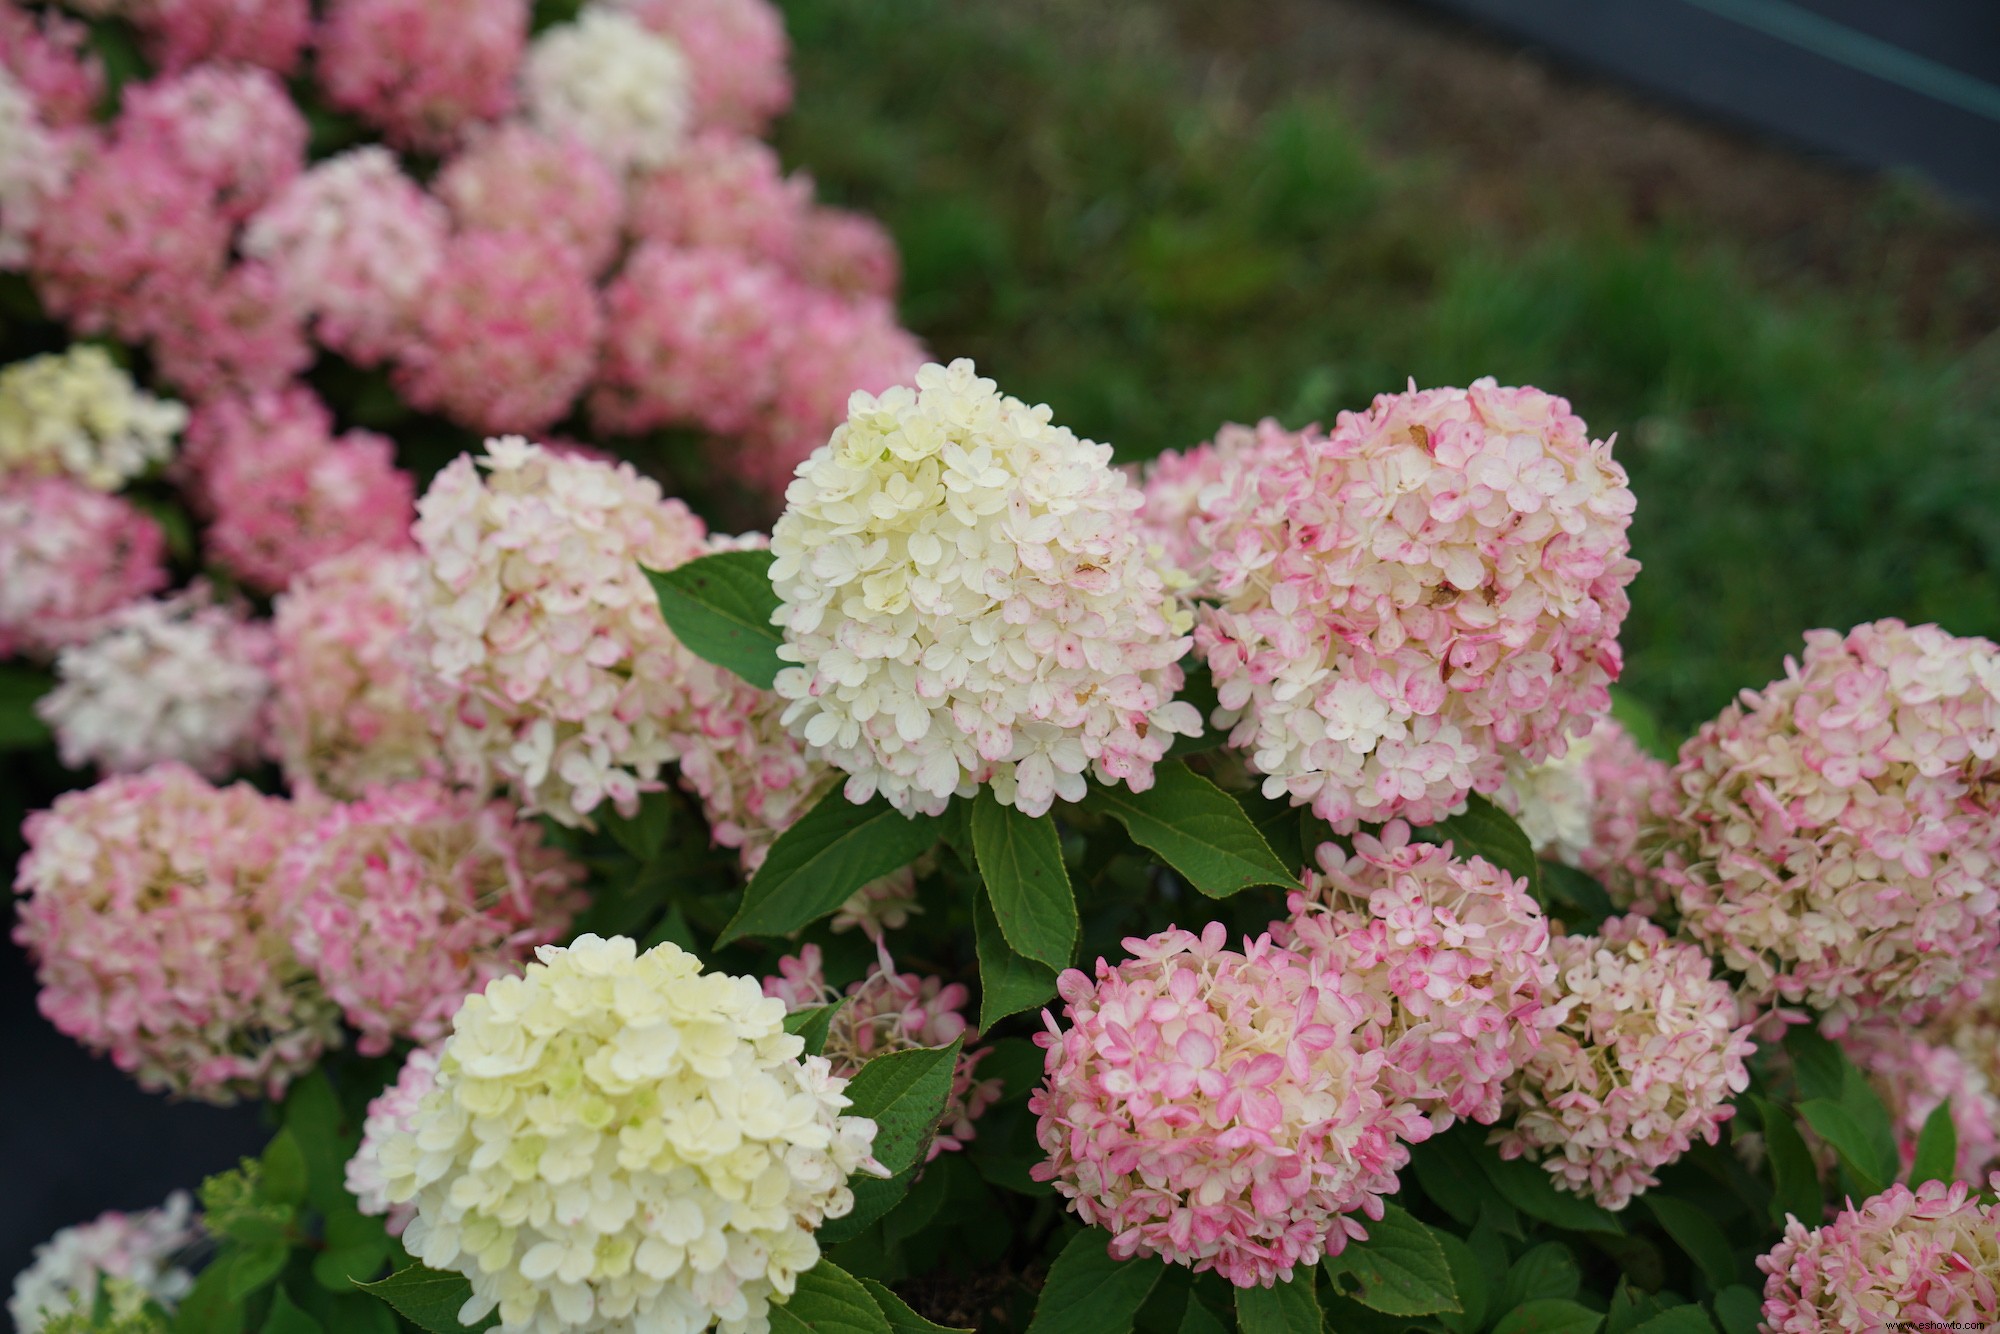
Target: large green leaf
x=1739, y=1309
x=1549, y=1315
x=1484, y=830
x=1696, y=1233
x=720, y=606
x=1872, y=1163
x=1020, y=859
x=20, y=727
x=904, y=1093
x=1196, y=828
x=1399, y=1270
x=428, y=1299
x=874, y=1198
x=813, y=1024
x=1088, y=1292
x=1282, y=1308
x=1530, y=1189
x=1937, y=1148
x=1547, y=1270
x=287, y=1318
x=833, y=850
x=1468, y=1281
x=1795, y=1190
x=1688, y=1319
x=829, y=1300
x=902, y=1320
x=1008, y=981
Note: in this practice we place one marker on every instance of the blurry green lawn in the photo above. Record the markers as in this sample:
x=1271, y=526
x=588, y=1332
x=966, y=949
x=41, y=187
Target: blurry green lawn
x=1099, y=234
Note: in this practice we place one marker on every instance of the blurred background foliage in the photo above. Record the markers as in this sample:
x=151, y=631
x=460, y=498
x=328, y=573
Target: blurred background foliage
x=1116, y=210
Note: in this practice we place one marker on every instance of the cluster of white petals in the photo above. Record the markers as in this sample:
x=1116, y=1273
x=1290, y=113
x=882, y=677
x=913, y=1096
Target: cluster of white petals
x=78, y=412
x=970, y=601
x=613, y=83
x=620, y=1141
x=130, y=1257
x=33, y=169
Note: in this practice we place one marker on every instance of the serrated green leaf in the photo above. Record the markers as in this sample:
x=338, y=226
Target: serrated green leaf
x=1574, y=896
x=428, y=1299
x=904, y=1093
x=284, y=1178
x=1528, y=1187
x=1696, y=1233
x=1630, y=1307
x=874, y=1198
x=1484, y=830
x=1549, y=1315
x=1547, y=1270
x=1937, y=1148
x=720, y=607
x=1020, y=861
x=902, y=1320
x=1795, y=1189
x=926, y=1197
x=287, y=1318
x=1198, y=1319
x=833, y=850
x=813, y=1023
x=1447, y=1168
x=1817, y=1063
x=313, y=1116
x=1738, y=1309
x=1688, y=1319
x=1088, y=1292
x=1399, y=1270
x=208, y=1308
x=829, y=1300
x=255, y=1268
x=1859, y=1152
x=1196, y=828
x=1468, y=1280
x=1282, y=1308
x=1008, y=982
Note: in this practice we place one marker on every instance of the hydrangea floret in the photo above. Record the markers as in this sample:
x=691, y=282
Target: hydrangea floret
x=969, y=603
x=1594, y=808
x=613, y=83
x=79, y=413
x=619, y=1140
x=70, y=556
x=131, y=1258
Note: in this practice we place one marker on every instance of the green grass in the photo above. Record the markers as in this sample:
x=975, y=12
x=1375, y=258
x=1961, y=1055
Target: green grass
x=1103, y=232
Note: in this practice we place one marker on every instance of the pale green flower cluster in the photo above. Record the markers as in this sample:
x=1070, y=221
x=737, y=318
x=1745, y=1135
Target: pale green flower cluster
x=620, y=1141
x=77, y=412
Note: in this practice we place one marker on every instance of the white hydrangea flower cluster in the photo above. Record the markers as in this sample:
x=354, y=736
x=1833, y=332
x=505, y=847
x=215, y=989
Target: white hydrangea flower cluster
x=970, y=601
x=183, y=678
x=613, y=83
x=131, y=1255
x=78, y=412
x=1552, y=802
x=620, y=1141
x=33, y=169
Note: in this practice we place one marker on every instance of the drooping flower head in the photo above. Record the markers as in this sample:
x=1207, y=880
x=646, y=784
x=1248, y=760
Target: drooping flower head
x=1914, y=1076
x=69, y=556
x=1591, y=808
x=517, y=178
x=1835, y=837
x=138, y=1253
x=409, y=899
x=1450, y=957
x=1403, y=604
x=1645, y=1062
x=78, y=412
x=969, y=603
x=887, y=1011
x=560, y=676
x=738, y=60
x=235, y=129
x=1220, y=1110
x=347, y=708
x=1928, y=1258
x=614, y=84
x=184, y=678
x=621, y=1141
x=420, y=71
x=151, y=910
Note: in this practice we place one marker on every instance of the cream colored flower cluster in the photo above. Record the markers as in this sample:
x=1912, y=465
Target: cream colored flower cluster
x=615, y=84
x=619, y=1141
x=77, y=412
x=969, y=600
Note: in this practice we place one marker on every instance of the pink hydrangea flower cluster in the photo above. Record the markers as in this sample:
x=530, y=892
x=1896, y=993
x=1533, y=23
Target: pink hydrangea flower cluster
x=536, y=619
x=70, y=555
x=723, y=192
x=49, y=56
x=150, y=905
x=408, y=900
x=737, y=57
x=270, y=34
x=1646, y=1060
x=887, y=1011
x=1404, y=603
x=391, y=1112
x=1174, y=484
x=1835, y=837
x=420, y=71
x=348, y=710
x=1914, y=1076
x=239, y=336
x=1923, y=1258
x=506, y=334
x=184, y=678
x=35, y=163
x=1449, y=958
x=124, y=1258
x=1593, y=809
x=1220, y=1110
x=233, y=129
x=284, y=493
x=514, y=177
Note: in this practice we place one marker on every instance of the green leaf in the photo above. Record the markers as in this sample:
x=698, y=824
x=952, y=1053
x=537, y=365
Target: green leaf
x=1687, y=1319
x=208, y=1308
x=1795, y=1188
x=1196, y=828
x=1282, y=1308
x=1818, y=1064
x=1860, y=1153
x=1937, y=1148
x=645, y=833
x=1574, y=896
x=813, y=1023
x=926, y=1198
x=284, y=1177
x=902, y=1320
x=428, y=1299
x=1547, y=1270
x=1549, y=1315
x=1738, y=1309
x=1198, y=689
x=313, y=1116
x=720, y=607
x=1531, y=1190
x=874, y=1197
x=357, y=1313
x=1198, y=1319
x=829, y=1300
x=1484, y=830
x=1399, y=1270
x=1020, y=859
x=1088, y=1292
x=1447, y=1167
x=1696, y=1233
x=1468, y=1281
x=834, y=849
x=904, y=1093
x=1008, y=982
x=287, y=1318
x=1281, y=824
x=20, y=727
